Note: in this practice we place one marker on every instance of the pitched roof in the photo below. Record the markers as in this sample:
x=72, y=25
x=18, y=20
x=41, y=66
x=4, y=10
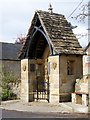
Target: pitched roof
x=59, y=32
x=87, y=47
x=9, y=51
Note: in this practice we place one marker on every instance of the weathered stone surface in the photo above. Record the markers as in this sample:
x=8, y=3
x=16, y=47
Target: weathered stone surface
x=82, y=91
x=67, y=82
x=13, y=67
x=51, y=39
x=25, y=80
x=86, y=60
x=82, y=85
x=54, y=78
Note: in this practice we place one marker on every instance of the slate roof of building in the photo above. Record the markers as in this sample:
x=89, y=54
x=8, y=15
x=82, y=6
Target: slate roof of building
x=9, y=51
x=59, y=32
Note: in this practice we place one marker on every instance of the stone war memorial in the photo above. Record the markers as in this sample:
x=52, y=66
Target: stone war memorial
x=51, y=59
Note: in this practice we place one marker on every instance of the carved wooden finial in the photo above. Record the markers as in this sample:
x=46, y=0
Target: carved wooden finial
x=50, y=9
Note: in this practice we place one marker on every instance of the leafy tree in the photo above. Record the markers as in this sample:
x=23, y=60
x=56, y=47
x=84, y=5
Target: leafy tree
x=83, y=16
x=84, y=12
x=20, y=39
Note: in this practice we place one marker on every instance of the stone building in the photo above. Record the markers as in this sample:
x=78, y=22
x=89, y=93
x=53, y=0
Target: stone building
x=81, y=94
x=51, y=59
x=9, y=62
x=9, y=58
x=86, y=60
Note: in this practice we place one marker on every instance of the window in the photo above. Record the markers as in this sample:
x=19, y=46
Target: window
x=70, y=67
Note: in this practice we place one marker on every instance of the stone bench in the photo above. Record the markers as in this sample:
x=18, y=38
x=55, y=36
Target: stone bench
x=80, y=98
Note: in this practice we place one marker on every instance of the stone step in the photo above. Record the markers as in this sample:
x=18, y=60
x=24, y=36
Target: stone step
x=77, y=108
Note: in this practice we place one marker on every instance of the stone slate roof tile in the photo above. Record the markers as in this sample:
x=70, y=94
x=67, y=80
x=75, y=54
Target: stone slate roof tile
x=59, y=30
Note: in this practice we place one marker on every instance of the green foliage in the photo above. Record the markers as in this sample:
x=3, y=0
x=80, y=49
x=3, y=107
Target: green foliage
x=7, y=79
x=7, y=94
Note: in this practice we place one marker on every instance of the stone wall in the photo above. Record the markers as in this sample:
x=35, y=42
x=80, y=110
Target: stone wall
x=13, y=68
x=54, y=78
x=82, y=85
x=82, y=91
x=61, y=81
x=67, y=82
x=25, y=80
x=29, y=74
x=86, y=62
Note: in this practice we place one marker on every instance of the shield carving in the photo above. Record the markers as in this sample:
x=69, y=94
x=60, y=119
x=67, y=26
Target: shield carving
x=24, y=68
x=54, y=65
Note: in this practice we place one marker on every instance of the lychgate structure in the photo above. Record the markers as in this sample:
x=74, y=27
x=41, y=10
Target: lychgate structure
x=51, y=59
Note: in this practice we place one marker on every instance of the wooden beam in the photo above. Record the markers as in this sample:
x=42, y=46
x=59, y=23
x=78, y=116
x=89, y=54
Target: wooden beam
x=41, y=31
x=31, y=38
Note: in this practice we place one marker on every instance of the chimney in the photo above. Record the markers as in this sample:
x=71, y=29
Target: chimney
x=50, y=9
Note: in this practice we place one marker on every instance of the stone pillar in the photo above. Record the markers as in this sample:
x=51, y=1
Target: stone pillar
x=26, y=84
x=73, y=98
x=53, y=70
x=84, y=99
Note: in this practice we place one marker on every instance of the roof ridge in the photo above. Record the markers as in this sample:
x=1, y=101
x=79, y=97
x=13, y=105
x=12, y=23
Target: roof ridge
x=9, y=43
x=37, y=11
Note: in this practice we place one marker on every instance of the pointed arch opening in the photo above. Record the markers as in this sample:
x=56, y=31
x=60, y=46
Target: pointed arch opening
x=38, y=44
